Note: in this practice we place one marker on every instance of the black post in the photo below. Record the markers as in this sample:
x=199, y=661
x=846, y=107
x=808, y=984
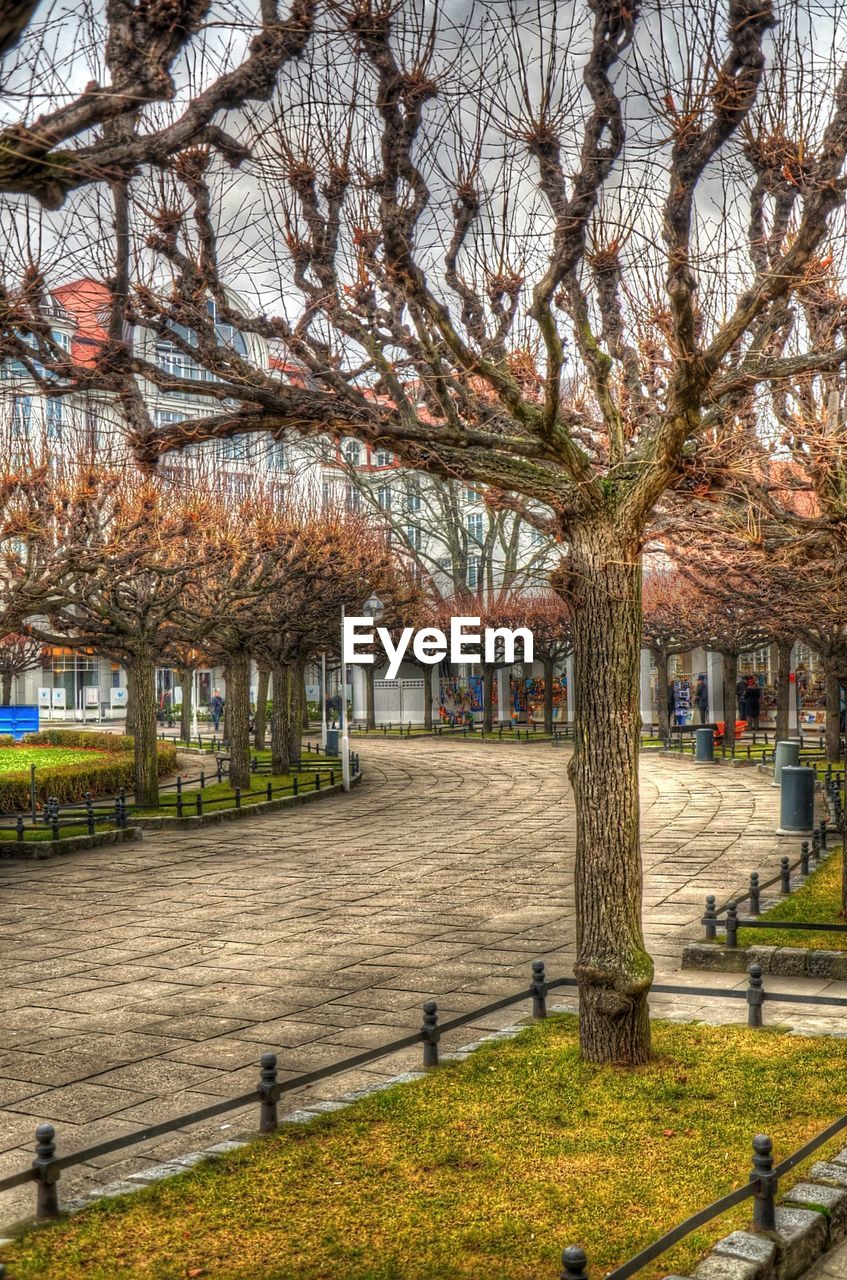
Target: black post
x=710, y=915
x=89, y=813
x=198, y=801
x=804, y=857
x=816, y=847
x=732, y=925
x=823, y=825
x=574, y=1263
x=754, y=893
x=54, y=818
x=269, y=791
x=269, y=1091
x=238, y=797
x=46, y=1172
x=430, y=1035
x=755, y=996
x=764, y=1207
x=538, y=987
x=785, y=874
x=19, y=828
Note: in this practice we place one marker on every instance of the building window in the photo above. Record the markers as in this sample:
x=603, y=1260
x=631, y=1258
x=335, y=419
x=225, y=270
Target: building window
x=352, y=498
x=536, y=537
x=278, y=459
x=53, y=417
x=325, y=495
x=414, y=537
x=21, y=414
x=382, y=458
x=413, y=495
x=352, y=453
x=475, y=530
x=474, y=568
x=472, y=495
x=383, y=497
x=164, y=417
x=61, y=339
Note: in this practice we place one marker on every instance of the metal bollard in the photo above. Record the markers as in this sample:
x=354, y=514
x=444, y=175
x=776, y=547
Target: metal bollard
x=816, y=847
x=574, y=1263
x=54, y=819
x=755, y=996
x=202, y=779
x=179, y=797
x=269, y=1091
x=89, y=813
x=709, y=916
x=220, y=769
x=754, y=893
x=238, y=797
x=198, y=803
x=732, y=925
x=430, y=1034
x=295, y=784
x=804, y=858
x=785, y=874
x=19, y=828
x=764, y=1207
x=269, y=791
x=823, y=830
x=46, y=1172
x=538, y=986
x=317, y=782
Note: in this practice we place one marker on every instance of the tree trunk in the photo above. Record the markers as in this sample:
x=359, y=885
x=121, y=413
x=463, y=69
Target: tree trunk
x=370, y=697
x=7, y=689
x=129, y=726
x=280, y=761
x=238, y=706
x=833, y=717
x=427, y=679
x=784, y=689
x=304, y=702
x=549, y=667
x=261, y=723
x=488, y=673
x=613, y=968
x=662, y=681
x=295, y=719
x=186, y=681
x=142, y=673
x=730, y=697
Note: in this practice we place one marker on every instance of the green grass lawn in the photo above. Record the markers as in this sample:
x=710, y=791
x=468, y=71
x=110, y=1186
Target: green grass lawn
x=220, y=795
x=18, y=759
x=486, y=1168
x=819, y=899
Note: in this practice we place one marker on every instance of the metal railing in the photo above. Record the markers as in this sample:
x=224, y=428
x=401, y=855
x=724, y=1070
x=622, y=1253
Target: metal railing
x=46, y=1169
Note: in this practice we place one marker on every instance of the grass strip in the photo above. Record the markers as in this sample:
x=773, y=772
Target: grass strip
x=486, y=1168
x=818, y=900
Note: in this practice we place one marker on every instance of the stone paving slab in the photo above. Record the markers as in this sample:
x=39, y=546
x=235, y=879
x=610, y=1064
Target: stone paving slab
x=146, y=981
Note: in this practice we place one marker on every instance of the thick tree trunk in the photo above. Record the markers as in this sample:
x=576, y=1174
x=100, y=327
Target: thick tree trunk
x=295, y=720
x=488, y=674
x=6, y=694
x=261, y=722
x=613, y=968
x=833, y=717
x=784, y=690
x=238, y=706
x=663, y=680
x=130, y=702
x=730, y=697
x=304, y=700
x=142, y=673
x=427, y=679
x=549, y=667
x=370, y=697
x=280, y=762
x=186, y=682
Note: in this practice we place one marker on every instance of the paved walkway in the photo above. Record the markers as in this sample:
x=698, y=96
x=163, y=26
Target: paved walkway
x=144, y=982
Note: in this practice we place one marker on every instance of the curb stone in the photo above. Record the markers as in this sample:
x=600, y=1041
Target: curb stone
x=783, y=962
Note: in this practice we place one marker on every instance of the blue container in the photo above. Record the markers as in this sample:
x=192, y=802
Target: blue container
x=19, y=720
x=705, y=742
x=797, y=801
x=332, y=742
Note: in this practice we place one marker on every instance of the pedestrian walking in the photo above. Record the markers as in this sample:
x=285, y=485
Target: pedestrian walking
x=216, y=707
x=701, y=697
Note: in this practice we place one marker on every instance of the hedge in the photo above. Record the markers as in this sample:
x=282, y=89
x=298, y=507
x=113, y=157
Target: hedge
x=69, y=782
x=80, y=738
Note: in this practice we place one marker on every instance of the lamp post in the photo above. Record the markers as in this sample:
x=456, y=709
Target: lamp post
x=195, y=727
x=372, y=608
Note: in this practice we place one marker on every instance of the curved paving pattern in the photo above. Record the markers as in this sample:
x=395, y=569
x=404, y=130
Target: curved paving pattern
x=145, y=983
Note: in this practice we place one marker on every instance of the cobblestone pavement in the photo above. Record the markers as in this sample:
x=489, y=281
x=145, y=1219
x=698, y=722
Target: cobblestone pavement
x=144, y=982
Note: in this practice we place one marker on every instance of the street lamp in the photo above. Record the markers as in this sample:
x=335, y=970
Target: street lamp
x=372, y=608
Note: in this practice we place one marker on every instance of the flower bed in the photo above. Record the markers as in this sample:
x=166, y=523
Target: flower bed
x=67, y=764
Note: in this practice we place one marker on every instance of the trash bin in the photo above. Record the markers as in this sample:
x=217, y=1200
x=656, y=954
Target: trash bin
x=786, y=753
x=705, y=745
x=796, y=801
x=332, y=742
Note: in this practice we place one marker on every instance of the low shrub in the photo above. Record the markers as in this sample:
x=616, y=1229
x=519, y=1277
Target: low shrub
x=69, y=782
x=111, y=742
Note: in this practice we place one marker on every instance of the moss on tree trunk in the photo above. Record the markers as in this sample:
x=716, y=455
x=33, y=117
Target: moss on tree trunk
x=613, y=968
x=238, y=706
x=142, y=673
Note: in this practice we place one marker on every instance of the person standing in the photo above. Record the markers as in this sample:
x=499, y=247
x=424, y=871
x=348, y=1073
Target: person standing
x=216, y=707
x=752, y=703
x=701, y=698
x=740, y=690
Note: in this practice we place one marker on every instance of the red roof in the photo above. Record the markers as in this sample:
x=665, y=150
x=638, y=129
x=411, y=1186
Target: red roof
x=87, y=301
